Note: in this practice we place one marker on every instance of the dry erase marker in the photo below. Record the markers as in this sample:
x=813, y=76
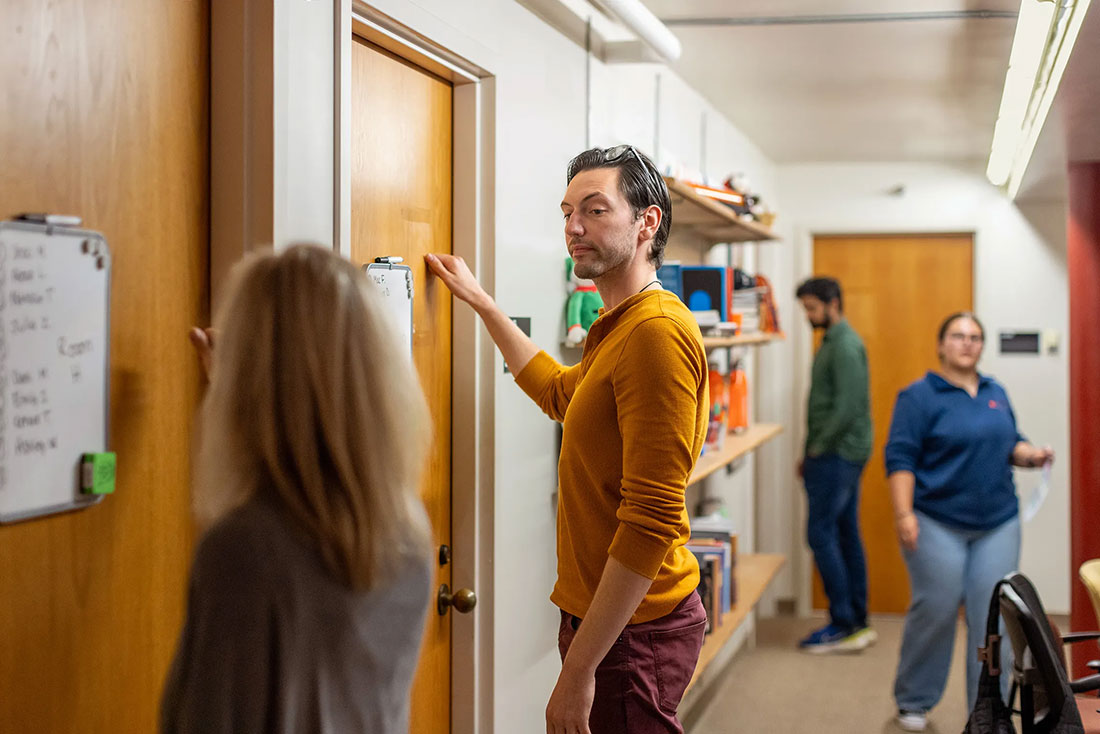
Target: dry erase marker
x=54, y=220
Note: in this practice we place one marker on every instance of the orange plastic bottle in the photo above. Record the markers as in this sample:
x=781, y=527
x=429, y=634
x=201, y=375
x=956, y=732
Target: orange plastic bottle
x=739, y=399
x=719, y=410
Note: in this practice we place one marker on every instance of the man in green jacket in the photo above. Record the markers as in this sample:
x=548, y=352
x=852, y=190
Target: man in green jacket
x=838, y=445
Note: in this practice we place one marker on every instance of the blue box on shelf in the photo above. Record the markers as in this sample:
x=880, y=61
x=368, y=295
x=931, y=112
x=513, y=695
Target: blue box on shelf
x=704, y=287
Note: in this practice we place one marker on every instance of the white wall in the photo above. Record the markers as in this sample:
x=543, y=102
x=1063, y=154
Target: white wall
x=304, y=91
x=780, y=508
x=1020, y=284
x=540, y=124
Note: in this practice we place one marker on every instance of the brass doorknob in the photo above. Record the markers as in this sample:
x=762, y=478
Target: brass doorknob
x=463, y=600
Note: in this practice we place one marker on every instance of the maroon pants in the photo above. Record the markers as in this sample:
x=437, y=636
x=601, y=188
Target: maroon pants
x=640, y=682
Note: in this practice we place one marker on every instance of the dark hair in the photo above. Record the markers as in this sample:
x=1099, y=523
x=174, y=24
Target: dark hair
x=955, y=317
x=640, y=183
x=825, y=290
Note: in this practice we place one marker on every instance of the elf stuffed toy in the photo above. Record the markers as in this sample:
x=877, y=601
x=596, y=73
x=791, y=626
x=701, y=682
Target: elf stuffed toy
x=582, y=308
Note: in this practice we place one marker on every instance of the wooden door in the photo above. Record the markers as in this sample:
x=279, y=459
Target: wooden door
x=104, y=115
x=897, y=291
x=401, y=205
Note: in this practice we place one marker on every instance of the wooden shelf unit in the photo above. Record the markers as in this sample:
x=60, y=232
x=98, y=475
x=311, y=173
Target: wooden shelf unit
x=700, y=222
x=707, y=217
x=754, y=572
x=737, y=445
x=741, y=340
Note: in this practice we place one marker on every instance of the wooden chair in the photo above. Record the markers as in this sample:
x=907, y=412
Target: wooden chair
x=1090, y=577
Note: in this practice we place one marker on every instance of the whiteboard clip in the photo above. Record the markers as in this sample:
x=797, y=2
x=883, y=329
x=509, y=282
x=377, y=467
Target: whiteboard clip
x=391, y=260
x=50, y=220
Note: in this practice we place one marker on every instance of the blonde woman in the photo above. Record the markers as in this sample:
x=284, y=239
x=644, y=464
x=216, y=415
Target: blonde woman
x=309, y=589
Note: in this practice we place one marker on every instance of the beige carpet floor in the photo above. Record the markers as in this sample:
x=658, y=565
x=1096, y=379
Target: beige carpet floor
x=775, y=689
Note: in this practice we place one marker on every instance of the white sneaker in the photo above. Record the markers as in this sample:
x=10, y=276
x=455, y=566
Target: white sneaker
x=867, y=636
x=912, y=720
x=858, y=641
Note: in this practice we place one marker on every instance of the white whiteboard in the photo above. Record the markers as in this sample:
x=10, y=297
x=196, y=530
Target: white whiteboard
x=395, y=282
x=54, y=349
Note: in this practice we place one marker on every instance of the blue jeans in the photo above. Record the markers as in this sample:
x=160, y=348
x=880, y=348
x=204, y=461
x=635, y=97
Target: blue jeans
x=951, y=566
x=832, y=530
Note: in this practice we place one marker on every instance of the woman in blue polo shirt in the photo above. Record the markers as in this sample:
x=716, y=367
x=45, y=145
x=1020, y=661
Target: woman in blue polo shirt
x=953, y=443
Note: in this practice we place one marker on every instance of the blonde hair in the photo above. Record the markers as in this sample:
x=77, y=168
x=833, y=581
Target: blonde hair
x=314, y=403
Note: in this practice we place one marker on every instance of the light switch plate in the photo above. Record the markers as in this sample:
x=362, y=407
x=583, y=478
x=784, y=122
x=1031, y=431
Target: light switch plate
x=1051, y=341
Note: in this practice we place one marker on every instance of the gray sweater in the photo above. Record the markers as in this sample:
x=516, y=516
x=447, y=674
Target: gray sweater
x=274, y=644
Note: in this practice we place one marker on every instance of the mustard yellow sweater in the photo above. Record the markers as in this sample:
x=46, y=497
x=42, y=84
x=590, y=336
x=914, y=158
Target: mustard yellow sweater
x=634, y=415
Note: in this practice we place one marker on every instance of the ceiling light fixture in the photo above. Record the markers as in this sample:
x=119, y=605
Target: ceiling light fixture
x=1046, y=31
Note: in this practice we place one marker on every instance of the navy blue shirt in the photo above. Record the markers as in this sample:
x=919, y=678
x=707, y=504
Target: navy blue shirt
x=959, y=448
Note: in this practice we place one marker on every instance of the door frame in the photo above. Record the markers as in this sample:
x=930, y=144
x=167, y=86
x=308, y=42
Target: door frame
x=273, y=183
x=472, y=359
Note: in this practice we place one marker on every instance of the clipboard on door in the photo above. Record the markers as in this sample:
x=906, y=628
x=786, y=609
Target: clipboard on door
x=395, y=283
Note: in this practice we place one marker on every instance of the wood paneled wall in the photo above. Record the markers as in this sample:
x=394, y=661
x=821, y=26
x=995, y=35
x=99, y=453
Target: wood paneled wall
x=104, y=115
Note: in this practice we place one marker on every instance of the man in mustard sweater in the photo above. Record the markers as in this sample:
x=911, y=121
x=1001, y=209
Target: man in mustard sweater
x=634, y=415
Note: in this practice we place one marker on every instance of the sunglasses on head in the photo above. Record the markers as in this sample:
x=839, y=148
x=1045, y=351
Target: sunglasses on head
x=610, y=155
x=619, y=152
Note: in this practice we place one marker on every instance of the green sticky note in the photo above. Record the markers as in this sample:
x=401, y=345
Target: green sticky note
x=97, y=474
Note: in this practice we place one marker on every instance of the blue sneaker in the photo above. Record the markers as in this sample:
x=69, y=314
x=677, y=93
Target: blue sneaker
x=829, y=638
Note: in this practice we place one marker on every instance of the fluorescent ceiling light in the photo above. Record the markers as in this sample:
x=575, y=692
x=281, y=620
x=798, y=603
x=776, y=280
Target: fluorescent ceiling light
x=1070, y=22
x=1028, y=45
x=1045, y=33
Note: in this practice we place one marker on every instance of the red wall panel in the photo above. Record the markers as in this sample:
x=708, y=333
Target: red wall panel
x=1083, y=260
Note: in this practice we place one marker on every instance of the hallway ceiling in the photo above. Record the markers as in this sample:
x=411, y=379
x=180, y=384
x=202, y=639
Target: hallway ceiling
x=912, y=90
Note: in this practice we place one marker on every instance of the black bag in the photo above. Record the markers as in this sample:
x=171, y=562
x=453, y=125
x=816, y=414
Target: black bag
x=990, y=714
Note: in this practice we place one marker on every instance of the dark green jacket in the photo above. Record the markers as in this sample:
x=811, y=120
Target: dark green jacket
x=839, y=414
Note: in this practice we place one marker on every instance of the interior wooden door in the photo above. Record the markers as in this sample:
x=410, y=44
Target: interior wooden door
x=401, y=205
x=897, y=291
x=105, y=116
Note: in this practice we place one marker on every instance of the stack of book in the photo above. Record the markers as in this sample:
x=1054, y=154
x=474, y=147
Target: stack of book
x=716, y=552
x=746, y=303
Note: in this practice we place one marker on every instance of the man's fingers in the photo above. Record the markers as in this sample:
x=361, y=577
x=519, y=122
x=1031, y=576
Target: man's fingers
x=559, y=727
x=442, y=268
x=434, y=264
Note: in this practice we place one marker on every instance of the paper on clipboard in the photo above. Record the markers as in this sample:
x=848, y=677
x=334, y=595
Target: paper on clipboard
x=1038, y=495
